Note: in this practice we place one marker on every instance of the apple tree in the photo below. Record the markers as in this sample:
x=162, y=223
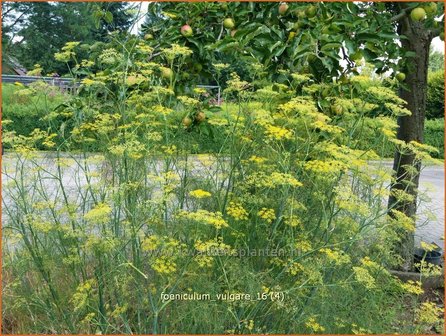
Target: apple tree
x=327, y=40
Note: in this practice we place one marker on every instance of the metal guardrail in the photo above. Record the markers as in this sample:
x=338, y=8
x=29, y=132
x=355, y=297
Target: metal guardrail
x=72, y=84
x=213, y=87
x=68, y=84
x=30, y=79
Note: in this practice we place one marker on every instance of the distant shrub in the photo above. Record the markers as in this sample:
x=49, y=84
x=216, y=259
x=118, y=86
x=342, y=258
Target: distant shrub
x=25, y=107
x=435, y=95
x=434, y=135
x=369, y=138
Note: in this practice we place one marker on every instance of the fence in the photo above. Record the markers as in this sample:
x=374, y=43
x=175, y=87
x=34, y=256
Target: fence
x=70, y=84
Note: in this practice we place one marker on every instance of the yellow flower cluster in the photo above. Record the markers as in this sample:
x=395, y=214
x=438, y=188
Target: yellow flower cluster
x=90, y=82
x=284, y=179
x=134, y=79
x=119, y=310
x=429, y=313
x=144, y=48
x=70, y=45
x=292, y=220
x=199, y=90
x=360, y=330
x=160, y=90
x=262, y=117
x=323, y=126
x=249, y=325
x=220, y=66
x=325, y=167
x=133, y=148
x=267, y=94
x=154, y=136
x=169, y=150
x=275, y=179
x=412, y=287
x=257, y=159
x=98, y=214
x=336, y=256
x=159, y=109
x=80, y=297
x=427, y=247
x=213, y=120
x=363, y=276
x=204, y=261
x=188, y=101
x=164, y=265
x=348, y=201
x=422, y=151
x=63, y=56
x=267, y=214
x=385, y=94
x=200, y=193
x=278, y=133
x=207, y=250
x=213, y=246
x=401, y=220
x=299, y=105
x=41, y=226
x=397, y=110
x=313, y=325
x=388, y=126
x=176, y=50
x=300, y=78
x=294, y=268
x=236, y=211
x=303, y=245
x=235, y=84
x=151, y=243
x=101, y=245
x=109, y=56
x=211, y=218
x=86, y=63
x=355, y=158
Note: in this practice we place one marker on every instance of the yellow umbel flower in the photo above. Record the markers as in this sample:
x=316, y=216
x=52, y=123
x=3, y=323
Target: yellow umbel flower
x=211, y=218
x=278, y=133
x=99, y=214
x=164, y=265
x=412, y=287
x=236, y=211
x=200, y=193
x=151, y=243
x=429, y=313
x=267, y=214
x=313, y=325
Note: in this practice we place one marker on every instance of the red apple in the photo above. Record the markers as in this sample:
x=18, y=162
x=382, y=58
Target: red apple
x=186, y=31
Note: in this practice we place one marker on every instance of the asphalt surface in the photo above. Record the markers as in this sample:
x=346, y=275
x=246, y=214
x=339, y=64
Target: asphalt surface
x=431, y=213
x=430, y=224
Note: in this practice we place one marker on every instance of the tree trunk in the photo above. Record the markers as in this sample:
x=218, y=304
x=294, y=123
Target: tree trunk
x=411, y=128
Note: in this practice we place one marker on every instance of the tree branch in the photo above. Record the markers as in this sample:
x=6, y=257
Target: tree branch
x=399, y=16
x=435, y=32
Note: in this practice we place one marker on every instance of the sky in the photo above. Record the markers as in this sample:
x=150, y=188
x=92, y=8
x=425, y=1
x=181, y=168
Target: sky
x=437, y=45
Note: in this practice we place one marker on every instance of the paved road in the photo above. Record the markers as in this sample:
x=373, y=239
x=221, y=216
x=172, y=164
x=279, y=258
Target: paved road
x=430, y=225
x=432, y=191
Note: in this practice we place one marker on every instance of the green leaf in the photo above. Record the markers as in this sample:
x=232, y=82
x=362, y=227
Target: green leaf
x=215, y=108
x=260, y=30
x=367, y=37
x=108, y=17
x=274, y=46
x=388, y=36
x=331, y=46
